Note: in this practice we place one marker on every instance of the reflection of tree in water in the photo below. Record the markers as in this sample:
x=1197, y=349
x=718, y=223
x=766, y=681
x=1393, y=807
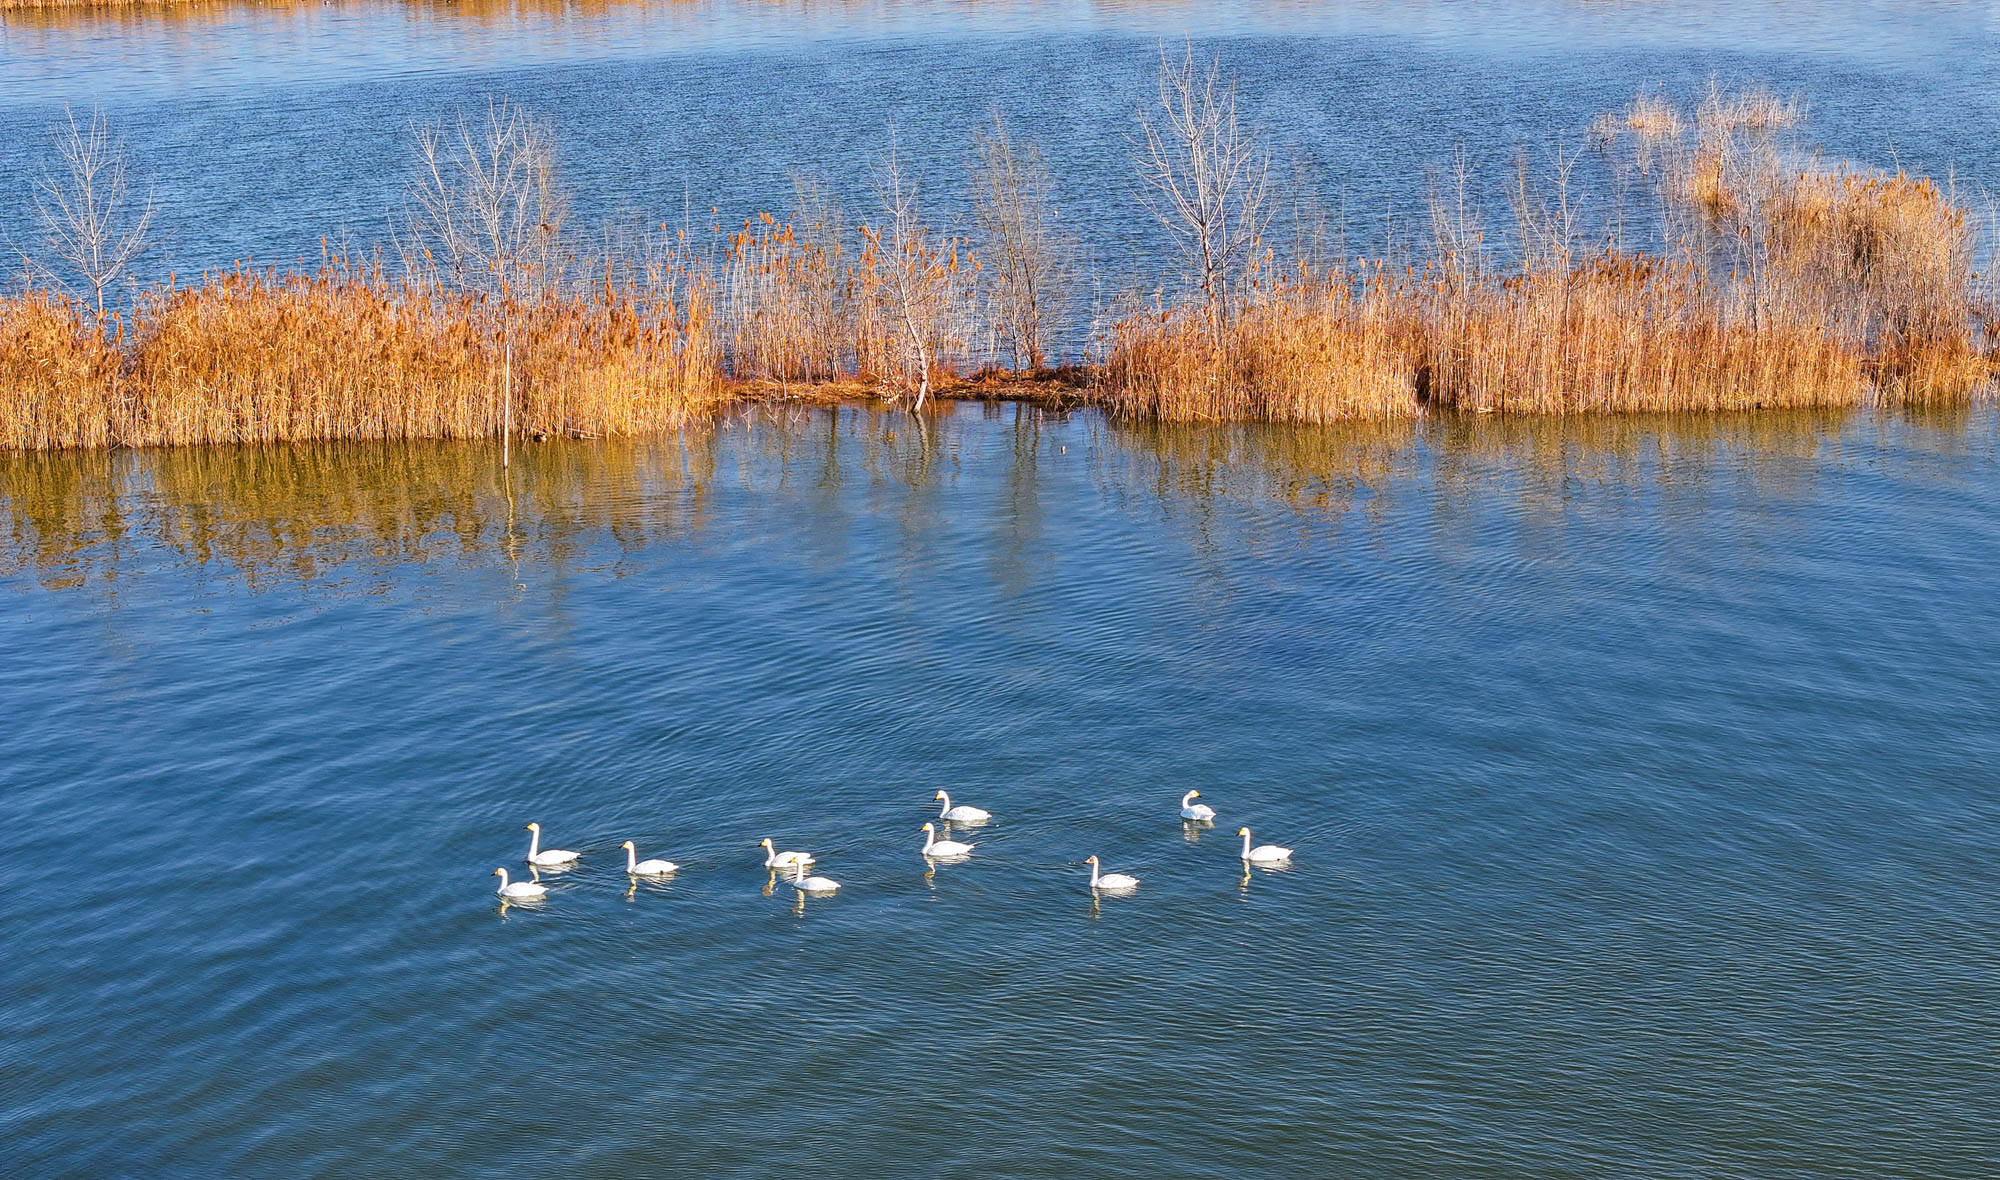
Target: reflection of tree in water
x=306, y=512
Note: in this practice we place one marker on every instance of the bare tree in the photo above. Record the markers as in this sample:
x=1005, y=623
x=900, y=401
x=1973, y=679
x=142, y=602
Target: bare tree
x=86, y=214
x=487, y=211
x=1458, y=234
x=1205, y=175
x=1014, y=207
x=927, y=284
x=1549, y=229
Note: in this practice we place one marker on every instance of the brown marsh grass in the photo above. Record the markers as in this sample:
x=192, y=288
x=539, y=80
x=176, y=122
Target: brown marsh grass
x=1327, y=349
x=1653, y=116
x=347, y=352
x=58, y=374
x=1783, y=288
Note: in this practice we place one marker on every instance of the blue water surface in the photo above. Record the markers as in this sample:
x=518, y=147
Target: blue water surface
x=1641, y=773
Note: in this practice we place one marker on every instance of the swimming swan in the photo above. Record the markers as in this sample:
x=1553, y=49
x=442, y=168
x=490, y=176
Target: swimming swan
x=1111, y=882
x=962, y=813
x=936, y=847
x=1263, y=854
x=1201, y=812
x=773, y=859
x=553, y=858
x=646, y=868
x=519, y=890
x=805, y=884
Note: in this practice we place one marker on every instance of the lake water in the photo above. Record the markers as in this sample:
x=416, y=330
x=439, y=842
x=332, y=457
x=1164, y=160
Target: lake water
x=265, y=132
x=1641, y=772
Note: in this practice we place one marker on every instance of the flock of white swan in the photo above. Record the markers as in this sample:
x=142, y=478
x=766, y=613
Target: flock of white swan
x=933, y=849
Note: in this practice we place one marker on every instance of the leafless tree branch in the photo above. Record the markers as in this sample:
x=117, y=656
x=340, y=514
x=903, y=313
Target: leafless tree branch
x=1205, y=175
x=85, y=213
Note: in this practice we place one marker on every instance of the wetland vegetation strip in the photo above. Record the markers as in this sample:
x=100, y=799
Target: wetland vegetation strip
x=1760, y=277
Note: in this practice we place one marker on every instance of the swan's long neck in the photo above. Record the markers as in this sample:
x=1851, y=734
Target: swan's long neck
x=770, y=857
x=1093, y=874
x=631, y=858
x=798, y=870
x=1246, y=843
x=930, y=837
x=1188, y=798
x=534, y=842
x=946, y=809
x=503, y=882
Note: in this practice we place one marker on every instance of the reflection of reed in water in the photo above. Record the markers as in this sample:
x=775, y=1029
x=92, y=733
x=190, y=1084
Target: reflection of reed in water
x=298, y=512
x=1324, y=469
x=302, y=512
x=62, y=513
x=1330, y=470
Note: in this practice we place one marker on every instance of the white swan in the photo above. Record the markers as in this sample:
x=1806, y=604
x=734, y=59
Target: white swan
x=552, y=858
x=1109, y=882
x=805, y=884
x=519, y=890
x=646, y=868
x=945, y=848
x=1263, y=854
x=1200, y=812
x=773, y=859
x=962, y=813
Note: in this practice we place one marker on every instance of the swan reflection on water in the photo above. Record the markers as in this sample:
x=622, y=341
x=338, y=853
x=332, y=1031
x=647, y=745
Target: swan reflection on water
x=1261, y=869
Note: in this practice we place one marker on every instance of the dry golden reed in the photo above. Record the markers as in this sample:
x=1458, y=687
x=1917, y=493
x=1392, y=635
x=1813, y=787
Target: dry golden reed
x=1816, y=288
x=1316, y=350
x=1619, y=333
x=59, y=380
x=349, y=353
x=1653, y=115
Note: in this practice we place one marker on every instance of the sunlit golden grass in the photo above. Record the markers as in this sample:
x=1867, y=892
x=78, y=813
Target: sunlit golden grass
x=1618, y=333
x=1890, y=258
x=252, y=356
x=786, y=313
x=1791, y=289
x=1314, y=350
x=1775, y=286
x=349, y=353
x=1625, y=333
x=1753, y=108
x=1653, y=115
x=59, y=382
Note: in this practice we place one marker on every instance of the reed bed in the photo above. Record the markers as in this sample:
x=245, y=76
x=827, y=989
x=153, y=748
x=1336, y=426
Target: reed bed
x=1776, y=287
x=1326, y=349
x=1773, y=285
x=1653, y=116
x=348, y=352
x=58, y=374
x=1619, y=333
x=1624, y=333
